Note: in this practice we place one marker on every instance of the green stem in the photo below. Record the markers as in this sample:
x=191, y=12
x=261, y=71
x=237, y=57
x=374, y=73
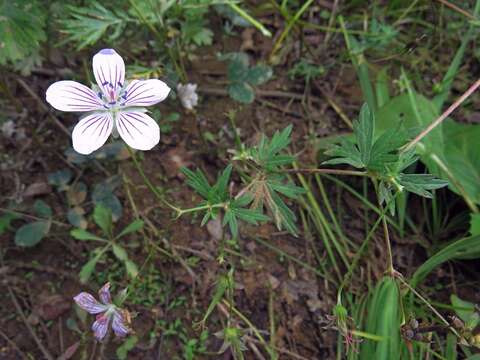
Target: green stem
x=180, y=212
x=147, y=182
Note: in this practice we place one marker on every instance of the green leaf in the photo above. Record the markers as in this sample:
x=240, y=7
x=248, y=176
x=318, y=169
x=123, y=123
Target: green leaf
x=131, y=268
x=421, y=183
x=237, y=68
x=466, y=248
x=363, y=129
x=134, y=226
x=81, y=234
x=60, y=179
x=119, y=252
x=219, y=192
x=384, y=320
x=5, y=221
x=474, y=224
x=103, y=218
x=30, y=234
x=42, y=209
x=128, y=344
x=22, y=25
x=197, y=181
x=102, y=194
x=76, y=218
x=461, y=156
x=259, y=74
x=230, y=219
x=88, y=268
x=466, y=311
x=241, y=92
x=85, y=26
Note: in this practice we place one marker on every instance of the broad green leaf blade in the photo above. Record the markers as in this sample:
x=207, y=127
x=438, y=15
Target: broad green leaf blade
x=474, y=224
x=119, y=252
x=42, y=209
x=131, y=268
x=81, y=234
x=103, y=218
x=466, y=311
x=88, y=268
x=31, y=234
x=384, y=319
x=241, y=92
x=464, y=248
x=134, y=226
x=259, y=74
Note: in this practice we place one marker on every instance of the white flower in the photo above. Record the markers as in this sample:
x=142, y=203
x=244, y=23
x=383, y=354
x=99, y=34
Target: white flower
x=188, y=95
x=117, y=107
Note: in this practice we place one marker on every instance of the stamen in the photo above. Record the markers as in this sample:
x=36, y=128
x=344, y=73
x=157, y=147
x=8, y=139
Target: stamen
x=112, y=103
x=120, y=84
x=100, y=95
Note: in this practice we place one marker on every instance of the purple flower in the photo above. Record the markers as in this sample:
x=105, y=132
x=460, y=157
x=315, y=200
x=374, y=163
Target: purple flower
x=114, y=107
x=106, y=312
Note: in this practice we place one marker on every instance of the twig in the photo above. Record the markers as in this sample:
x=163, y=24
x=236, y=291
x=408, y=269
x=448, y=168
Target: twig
x=262, y=93
x=442, y=117
x=42, y=105
x=12, y=344
x=457, y=9
x=44, y=350
x=327, y=171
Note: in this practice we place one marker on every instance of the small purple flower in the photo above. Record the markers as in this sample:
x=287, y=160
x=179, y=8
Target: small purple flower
x=106, y=312
x=114, y=107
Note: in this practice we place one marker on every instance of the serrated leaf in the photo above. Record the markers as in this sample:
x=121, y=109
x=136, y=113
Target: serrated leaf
x=119, y=252
x=241, y=92
x=81, y=234
x=363, y=129
x=237, y=68
x=31, y=234
x=22, y=25
x=86, y=25
x=42, y=209
x=258, y=74
x=134, y=226
x=420, y=184
x=103, y=218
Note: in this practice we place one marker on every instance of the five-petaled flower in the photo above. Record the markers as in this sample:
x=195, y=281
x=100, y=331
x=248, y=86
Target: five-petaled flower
x=106, y=312
x=116, y=107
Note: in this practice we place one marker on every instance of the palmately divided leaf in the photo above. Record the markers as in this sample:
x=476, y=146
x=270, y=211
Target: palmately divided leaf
x=420, y=184
x=197, y=181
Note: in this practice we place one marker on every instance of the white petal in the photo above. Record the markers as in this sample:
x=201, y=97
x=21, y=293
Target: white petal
x=109, y=71
x=138, y=129
x=145, y=93
x=72, y=96
x=92, y=132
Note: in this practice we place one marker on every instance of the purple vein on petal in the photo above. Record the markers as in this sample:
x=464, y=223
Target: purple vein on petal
x=135, y=117
x=133, y=126
x=91, y=122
